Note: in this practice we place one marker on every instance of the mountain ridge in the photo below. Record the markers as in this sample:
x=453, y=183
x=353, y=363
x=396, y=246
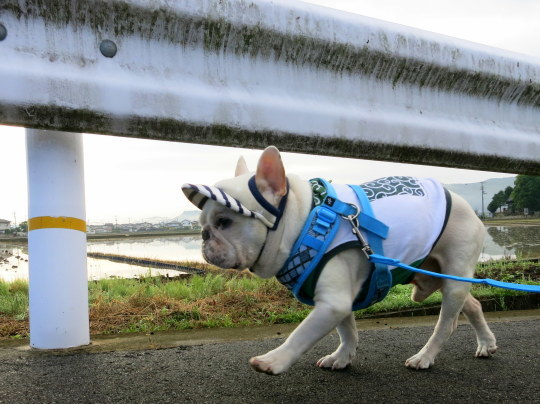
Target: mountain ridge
x=471, y=192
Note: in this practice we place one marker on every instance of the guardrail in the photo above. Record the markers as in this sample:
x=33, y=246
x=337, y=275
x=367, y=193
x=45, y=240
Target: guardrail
x=238, y=73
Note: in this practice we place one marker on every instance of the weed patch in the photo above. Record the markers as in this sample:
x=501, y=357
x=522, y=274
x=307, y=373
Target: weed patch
x=229, y=299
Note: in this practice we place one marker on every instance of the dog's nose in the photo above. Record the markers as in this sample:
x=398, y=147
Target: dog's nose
x=205, y=235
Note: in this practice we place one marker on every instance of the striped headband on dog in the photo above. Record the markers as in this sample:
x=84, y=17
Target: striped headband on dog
x=259, y=208
x=198, y=195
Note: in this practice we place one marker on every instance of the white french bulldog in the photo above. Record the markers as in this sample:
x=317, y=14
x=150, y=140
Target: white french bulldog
x=233, y=238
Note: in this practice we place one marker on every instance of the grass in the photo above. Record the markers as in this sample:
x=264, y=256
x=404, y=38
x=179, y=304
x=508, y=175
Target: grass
x=14, y=299
x=509, y=271
x=224, y=299
x=213, y=300
x=503, y=221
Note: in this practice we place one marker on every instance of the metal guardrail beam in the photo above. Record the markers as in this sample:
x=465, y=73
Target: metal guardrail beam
x=252, y=73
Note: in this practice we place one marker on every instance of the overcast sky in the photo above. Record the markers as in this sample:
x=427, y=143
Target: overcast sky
x=132, y=179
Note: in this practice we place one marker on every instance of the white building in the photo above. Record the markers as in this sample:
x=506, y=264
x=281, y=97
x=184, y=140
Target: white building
x=104, y=228
x=4, y=225
x=186, y=224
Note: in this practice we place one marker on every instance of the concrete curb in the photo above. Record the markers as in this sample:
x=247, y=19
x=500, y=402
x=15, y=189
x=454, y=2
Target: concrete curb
x=162, y=340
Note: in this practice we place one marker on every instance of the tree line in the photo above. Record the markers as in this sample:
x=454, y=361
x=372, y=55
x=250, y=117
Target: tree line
x=524, y=195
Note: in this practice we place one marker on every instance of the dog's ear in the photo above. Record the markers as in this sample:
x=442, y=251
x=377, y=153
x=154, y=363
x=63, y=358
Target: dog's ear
x=241, y=167
x=270, y=177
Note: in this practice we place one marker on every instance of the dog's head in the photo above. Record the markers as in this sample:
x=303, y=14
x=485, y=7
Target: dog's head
x=238, y=213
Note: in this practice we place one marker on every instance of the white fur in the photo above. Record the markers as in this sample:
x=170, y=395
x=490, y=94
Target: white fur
x=240, y=245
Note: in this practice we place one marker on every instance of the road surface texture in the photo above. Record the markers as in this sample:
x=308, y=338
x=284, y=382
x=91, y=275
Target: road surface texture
x=211, y=367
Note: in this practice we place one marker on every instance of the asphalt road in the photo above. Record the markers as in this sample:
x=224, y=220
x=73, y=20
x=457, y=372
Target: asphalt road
x=189, y=368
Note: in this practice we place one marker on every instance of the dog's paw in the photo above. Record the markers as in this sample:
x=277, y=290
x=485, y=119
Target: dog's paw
x=486, y=349
x=420, y=361
x=269, y=364
x=335, y=361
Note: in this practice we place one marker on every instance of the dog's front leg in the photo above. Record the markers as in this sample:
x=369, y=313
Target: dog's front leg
x=323, y=319
x=336, y=288
x=346, y=351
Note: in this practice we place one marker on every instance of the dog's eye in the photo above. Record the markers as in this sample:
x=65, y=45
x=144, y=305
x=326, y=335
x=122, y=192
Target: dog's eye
x=223, y=222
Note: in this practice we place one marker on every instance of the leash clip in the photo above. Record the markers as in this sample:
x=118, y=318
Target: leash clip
x=353, y=220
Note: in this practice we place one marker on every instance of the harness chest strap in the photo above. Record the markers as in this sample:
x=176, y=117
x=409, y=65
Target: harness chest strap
x=304, y=264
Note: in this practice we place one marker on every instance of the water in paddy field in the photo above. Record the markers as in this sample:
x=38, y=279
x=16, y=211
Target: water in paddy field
x=501, y=242
x=511, y=242
x=14, y=256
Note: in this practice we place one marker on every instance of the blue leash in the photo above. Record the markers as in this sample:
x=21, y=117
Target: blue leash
x=375, y=258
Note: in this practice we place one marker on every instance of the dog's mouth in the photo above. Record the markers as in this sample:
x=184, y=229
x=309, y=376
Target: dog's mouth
x=220, y=263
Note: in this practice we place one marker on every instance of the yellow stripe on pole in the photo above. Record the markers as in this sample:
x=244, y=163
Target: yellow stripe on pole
x=61, y=222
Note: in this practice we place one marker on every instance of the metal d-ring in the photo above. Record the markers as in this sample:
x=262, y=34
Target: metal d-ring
x=353, y=217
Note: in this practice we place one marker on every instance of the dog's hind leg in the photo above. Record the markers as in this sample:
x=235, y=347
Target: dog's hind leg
x=487, y=344
x=454, y=296
x=346, y=351
x=456, y=253
x=425, y=285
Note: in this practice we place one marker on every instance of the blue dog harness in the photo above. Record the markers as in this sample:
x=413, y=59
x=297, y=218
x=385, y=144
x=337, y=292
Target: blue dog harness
x=317, y=244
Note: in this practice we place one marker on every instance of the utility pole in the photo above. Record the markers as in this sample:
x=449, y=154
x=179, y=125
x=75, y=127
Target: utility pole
x=483, y=193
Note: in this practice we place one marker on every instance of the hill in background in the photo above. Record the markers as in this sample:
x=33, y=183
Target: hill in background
x=187, y=215
x=473, y=192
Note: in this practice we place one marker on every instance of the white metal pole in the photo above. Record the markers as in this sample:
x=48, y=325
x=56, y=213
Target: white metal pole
x=58, y=286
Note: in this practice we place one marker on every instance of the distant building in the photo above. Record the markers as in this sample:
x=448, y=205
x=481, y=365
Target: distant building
x=186, y=224
x=125, y=228
x=4, y=225
x=508, y=207
x=143, y=227
x=173, y=225
x=97, y=229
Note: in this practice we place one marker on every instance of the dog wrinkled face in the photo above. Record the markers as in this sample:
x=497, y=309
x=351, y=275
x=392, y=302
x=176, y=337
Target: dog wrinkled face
x=230, y=240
